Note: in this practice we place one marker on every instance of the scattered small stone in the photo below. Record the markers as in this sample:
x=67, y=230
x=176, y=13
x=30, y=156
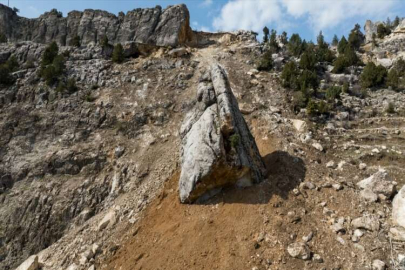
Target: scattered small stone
x=299, y=250
x=378, y=265
x=308, y=237
x=337, y=187
x=398, y=208
x=338, y=227
x=362, y=166
x=318, y=146
x=370, y=223
x=378, y=183
x=341, y=240
x=317, y=258
x=331, y=165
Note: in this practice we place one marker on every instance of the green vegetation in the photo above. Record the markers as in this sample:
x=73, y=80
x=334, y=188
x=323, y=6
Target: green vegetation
x=266, y=62
x=347, y=59
x=274, y=47
x=3, y=38
x=342, y=45
x=383, y=30
x=6, y=69
x=75, y=42
x=294, y=46
x=50, y=53
x=393, y=79
x=335, y=41
x=356, y=37
x=234, y=140
x=284, y=38
x=390, y=108
x=105, y=42
x=308, y=60
x=289, y=76
x=333, y=93
x=315, y=108
x=373, y=76
x=266, y=33
x=118, y=54
x=323, y=52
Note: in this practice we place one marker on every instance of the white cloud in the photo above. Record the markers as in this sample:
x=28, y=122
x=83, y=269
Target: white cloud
x=252, y=15
x=207, y=3
x=318, y=14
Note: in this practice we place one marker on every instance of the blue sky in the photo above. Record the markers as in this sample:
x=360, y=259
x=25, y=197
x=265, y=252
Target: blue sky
x=306, y=17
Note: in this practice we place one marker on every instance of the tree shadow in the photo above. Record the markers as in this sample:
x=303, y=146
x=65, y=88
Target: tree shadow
x=284, y=173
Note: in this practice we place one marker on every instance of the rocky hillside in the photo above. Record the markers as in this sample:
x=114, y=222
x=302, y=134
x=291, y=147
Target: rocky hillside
x=100, y=147
x=155, y=26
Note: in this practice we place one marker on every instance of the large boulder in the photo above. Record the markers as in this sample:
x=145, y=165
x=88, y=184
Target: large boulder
x=398, y=208
x=217, y=147
x=152, y=26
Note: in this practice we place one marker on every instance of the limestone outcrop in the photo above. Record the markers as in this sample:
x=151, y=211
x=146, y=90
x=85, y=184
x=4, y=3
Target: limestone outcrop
x=152, y=26
x=217, y=146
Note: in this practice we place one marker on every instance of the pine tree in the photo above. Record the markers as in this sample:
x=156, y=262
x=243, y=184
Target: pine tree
x=273, y=41
x=118, y=54
x=266, y=34
x=295, y=45
x=396, y=22
x=356, y=37
x=342, y=44
x=335, y=41
x=284, y=38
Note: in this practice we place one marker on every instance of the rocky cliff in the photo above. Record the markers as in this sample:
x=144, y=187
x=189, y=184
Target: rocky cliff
x=154, y=26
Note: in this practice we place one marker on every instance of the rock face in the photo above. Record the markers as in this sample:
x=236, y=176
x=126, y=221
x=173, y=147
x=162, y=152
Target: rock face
x=370, y=28
x=153, y=26
x=217, y=146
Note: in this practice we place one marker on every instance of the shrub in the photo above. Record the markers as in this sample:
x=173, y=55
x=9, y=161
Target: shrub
x=400, y=67
x=49, y=74
x=307, y=80
x=299, y=100
x=393, y=78
x=12, y=64
x=308, y=60
x=75, y=42
x=59, y=64
x=345, y=87
x=50, y=53
x=339, y=65
x=266, y=62
x=284, y=38
x=317, y=108
x=234, y=140
x=373, y=75
x=118, y=54
x=30, y=64
x=383, y=30
x=105, y=42
x=71, y=85
x=5, y=75
x=289, y=76
x=333, y=93
x=294, y=46
x=390, y=108
x=3, y=38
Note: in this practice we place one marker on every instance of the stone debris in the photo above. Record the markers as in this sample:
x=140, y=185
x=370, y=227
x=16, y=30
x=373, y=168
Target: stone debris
x=379, y=185
x=299, y=250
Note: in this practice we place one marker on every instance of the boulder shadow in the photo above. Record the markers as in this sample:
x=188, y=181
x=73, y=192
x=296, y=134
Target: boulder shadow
x=284, y=173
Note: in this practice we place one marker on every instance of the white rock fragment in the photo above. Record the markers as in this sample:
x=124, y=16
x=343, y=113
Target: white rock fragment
x=299, y=250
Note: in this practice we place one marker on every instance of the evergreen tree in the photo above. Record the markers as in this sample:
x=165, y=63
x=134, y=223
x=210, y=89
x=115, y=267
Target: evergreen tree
x=118, y=54
x=284, y=38
x=396, y=22
x=383, y=30
x=3, y=38
x=50, y=53
x=273, y=41
x=356, y=37
x=266, y=62
x=308, y=60
x=335, y=41
x=342, y=44
x=290, y=75
x=266, y=34
x=295, y=45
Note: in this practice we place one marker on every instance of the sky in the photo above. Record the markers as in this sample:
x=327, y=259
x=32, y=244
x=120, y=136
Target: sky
x=306, y=17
